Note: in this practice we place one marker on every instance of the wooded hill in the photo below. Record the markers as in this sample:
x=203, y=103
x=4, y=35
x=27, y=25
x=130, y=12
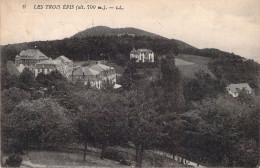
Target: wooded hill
x=103, y=40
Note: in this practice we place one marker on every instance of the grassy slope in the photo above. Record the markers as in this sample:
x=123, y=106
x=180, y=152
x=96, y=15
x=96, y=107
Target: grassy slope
x=190, y=64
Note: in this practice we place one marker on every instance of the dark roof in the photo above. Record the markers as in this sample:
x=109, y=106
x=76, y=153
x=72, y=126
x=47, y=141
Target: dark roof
x=133, y=51
x=63, y=58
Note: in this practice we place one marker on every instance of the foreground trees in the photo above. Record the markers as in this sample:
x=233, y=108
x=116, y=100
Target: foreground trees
x=171, y=82
x=102, y=118
x=202, y=86
x=144, y=124
x=226, y=132
x=109, y=119
x=39, y=122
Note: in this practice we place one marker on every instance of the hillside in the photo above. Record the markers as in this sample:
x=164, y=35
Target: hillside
x=107, y=31
x=92, y=42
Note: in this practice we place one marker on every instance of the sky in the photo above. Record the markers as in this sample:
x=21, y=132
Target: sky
x=228, y=25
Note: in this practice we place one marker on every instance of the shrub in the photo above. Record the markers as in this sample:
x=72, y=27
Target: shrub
x=114, y=154
x=14, y=160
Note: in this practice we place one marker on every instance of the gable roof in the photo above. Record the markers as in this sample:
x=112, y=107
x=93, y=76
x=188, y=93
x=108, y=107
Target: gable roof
x=105, y=67
x=133, y=50
x=32, y=54
x=142, y=50
x=86, y=70
x=100, y=67
x=97, y=68
x=238, y=87
x=63, y=58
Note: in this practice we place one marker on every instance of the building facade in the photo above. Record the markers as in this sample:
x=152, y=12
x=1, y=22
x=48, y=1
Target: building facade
x=142, y=55
x=95, y=74
x=66, y=66
x=46, y=67
x=107, y=73
x=61, y=64
x=29, y=58
x=86, y=75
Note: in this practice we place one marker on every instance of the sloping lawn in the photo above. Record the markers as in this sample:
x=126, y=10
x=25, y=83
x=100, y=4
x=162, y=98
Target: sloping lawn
x=53, y=158
x=195, y=59
x=190, y=70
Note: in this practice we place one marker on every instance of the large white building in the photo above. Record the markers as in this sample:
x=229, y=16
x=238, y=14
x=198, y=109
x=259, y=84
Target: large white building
x=234, y=89
x=28, y=58
x=142, y=55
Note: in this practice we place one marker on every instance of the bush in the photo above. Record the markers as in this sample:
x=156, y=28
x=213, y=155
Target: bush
x=113, y=154
x=14, y=160
x=13, y=146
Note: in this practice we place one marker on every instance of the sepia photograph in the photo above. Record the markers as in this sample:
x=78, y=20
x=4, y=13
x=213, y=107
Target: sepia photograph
x=130, y=83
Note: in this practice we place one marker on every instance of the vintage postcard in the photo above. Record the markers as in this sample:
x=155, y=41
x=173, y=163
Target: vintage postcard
x=130, y=83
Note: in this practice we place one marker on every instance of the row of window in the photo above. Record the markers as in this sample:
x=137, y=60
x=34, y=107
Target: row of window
x=45, y=70
x=28, y=61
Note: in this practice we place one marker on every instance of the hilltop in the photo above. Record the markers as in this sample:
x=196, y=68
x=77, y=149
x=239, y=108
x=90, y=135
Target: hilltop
x=107, y=31
x=128, y=31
